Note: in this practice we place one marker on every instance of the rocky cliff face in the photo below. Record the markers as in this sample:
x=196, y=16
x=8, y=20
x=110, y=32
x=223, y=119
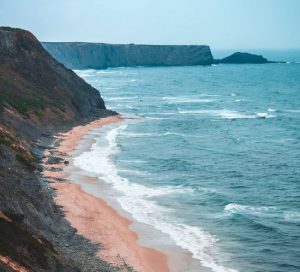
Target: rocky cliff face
x=29, y=73
x=78, y=55
x=38, y=96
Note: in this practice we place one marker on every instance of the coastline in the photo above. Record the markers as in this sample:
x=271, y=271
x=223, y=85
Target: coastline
x=93, y=217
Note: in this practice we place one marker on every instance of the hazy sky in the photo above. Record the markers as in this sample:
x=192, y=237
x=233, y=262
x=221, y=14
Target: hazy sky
x=218, y=23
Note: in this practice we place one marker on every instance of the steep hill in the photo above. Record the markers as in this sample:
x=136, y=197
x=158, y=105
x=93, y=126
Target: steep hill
x=38, y=97
x=32, y=82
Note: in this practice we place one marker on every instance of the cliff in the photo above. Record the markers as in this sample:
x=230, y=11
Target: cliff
x=78, y=55
x=30, y=74
x=38, y=97
x=242, y=58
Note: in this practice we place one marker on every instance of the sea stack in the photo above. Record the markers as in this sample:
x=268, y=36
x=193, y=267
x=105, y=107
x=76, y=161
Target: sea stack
x=242, y=58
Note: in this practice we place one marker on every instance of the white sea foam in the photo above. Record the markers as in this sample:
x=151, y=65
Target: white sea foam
x=209, y=95
x=138, y=201
x=227, y=114
x=183, y=99
x=85, y=73
x=139, y=135
x=106, y=72
x=134, y=172
x=293, y=217
x=265, y=211
x=294, y=110
x=179, y=134
x=262, y=114
x=234, y=208
x=156, y=118
x=117, y=98
x=134, y=161
x=110, y=88
x=182, y=135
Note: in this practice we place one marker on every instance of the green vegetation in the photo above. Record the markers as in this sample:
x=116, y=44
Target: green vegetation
x=12, y=29
x=27, y=158
x=5, y=140
x=8, y=80
x=39, y=114
x=24, y=105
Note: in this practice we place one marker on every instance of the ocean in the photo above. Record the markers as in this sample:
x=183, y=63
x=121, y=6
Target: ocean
x=206, y=159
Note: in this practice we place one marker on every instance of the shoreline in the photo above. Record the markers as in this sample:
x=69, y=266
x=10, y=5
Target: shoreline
x=94, y=218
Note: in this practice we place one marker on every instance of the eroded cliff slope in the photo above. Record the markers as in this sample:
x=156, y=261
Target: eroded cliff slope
x=38, y=96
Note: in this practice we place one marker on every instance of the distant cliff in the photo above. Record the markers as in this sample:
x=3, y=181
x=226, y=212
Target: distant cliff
x=79, y=55
x=242, y=58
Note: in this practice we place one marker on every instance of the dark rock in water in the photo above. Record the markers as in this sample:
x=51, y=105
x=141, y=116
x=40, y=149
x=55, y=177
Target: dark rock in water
x=78, y=55
x=38, y=153
x=241, y=58
x=54, y=160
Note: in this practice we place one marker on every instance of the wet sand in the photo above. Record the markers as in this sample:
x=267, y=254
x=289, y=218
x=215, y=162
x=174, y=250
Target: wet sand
x=95, y=219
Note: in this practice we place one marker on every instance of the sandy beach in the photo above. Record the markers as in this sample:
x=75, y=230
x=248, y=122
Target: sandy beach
x=94, y=218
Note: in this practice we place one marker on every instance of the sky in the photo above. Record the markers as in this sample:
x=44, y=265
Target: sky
x=222, y=24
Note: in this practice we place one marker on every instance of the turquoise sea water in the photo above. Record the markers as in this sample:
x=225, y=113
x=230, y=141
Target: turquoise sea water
x=211, y=159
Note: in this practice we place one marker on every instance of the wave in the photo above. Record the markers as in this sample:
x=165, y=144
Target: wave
x=157, y=118
x=161, y=113
x=293, y=111
x=234, y=208
x=109, y=88
x=134, y=172
x=134, y=161
x=135, y=134
x=262, y=211
x=117, y=98
x=179, y=134
x=85, y=73
x=227, y=114
x=179, y=100
x=293, y=217
x=138, y=200
x=129, y=107
x=209, y=95
x=138, y=135
x=106, y=72
x=82, y=74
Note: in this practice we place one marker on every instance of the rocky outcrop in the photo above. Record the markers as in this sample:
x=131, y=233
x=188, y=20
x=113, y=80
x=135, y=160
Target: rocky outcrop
x=38, y=97
x=29, y=73
x=242, y=58
x=78, y=55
